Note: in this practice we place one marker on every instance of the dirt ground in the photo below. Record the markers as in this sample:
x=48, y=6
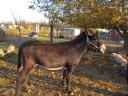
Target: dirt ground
x=96, y=75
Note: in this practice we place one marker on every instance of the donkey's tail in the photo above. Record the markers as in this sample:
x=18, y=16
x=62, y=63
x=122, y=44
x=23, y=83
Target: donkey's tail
x=19, y=58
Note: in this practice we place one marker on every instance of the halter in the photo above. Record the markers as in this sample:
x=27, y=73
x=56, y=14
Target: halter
x=90, y=43
x=93, y=44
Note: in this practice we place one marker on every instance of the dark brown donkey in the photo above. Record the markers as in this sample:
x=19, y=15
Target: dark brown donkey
x=52, y=57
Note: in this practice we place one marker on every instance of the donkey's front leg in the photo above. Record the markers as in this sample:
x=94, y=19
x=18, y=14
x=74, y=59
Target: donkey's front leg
x=68, y=79
x=64, y=77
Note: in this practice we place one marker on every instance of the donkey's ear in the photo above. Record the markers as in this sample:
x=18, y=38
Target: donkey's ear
x=93, y=34
x=92, y=37
x=83, y=31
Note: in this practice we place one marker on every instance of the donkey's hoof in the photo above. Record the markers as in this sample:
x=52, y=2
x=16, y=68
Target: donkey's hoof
x=69, y=92
x=64, y=85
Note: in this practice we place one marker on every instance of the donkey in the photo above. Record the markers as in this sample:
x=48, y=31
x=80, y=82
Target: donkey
x=66, y=56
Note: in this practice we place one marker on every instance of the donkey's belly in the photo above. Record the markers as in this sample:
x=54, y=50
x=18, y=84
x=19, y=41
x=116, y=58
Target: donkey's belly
x=52, y=63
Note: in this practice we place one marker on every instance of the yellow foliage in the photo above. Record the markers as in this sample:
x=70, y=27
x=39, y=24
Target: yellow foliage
x=3, y=80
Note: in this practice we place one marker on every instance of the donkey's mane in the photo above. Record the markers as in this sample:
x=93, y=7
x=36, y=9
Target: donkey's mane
x=80, y=38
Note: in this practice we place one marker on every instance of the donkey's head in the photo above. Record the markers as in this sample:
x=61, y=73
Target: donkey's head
x=95, y=44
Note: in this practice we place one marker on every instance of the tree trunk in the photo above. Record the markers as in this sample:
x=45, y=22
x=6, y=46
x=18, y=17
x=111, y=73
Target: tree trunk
x=125, y=38
x=19, y=31
x=51, y=33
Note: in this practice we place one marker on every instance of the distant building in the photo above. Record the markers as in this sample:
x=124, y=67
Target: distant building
x=2, y=25
x=103, y=33
x=35, y=31
x=70, y=32
x=36, y=27
x=114, y=35
x=109, y=35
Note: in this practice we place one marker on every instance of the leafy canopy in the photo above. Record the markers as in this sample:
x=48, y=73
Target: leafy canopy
x=85, y=13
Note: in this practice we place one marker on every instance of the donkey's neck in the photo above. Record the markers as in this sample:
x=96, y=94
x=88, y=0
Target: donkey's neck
x=80, y=45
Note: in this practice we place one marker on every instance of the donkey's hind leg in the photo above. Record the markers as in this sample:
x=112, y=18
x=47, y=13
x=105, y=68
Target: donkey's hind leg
x=22, y=79
x=68, y=78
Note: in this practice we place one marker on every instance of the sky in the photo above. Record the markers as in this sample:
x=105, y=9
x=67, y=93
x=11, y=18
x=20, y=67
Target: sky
x=19, y=9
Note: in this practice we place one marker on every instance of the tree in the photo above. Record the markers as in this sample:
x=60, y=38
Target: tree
x=51, y=11
x=110, y=14
x=17, y=22
x=123, y=22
